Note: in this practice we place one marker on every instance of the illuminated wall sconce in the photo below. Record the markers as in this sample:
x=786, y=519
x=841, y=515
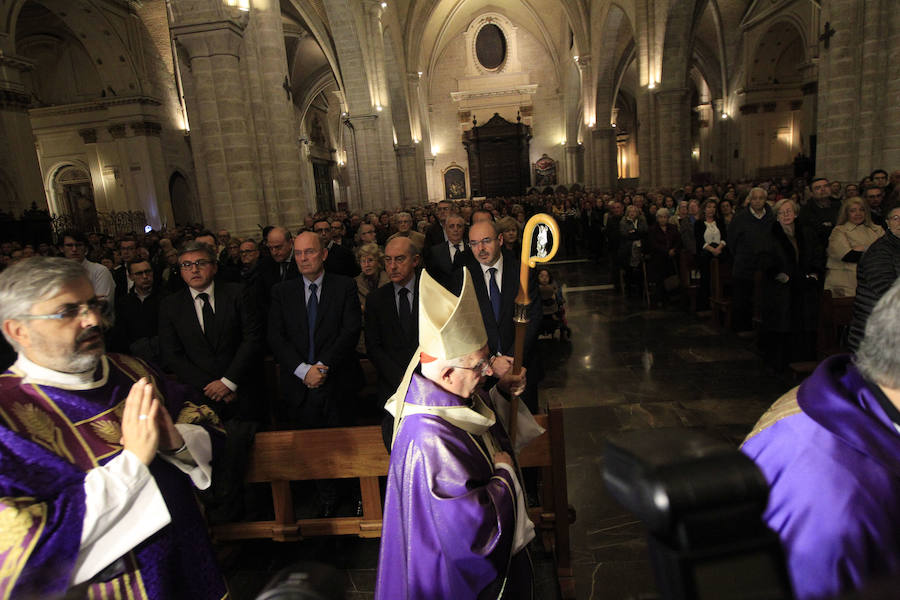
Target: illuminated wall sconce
x=562, y=142
x=420, y=73
x=724, y=115
x=384, y=5
x=575, y=58
x=591, y=123
x=415, y=140
x=243, y=5
x=378, y=107
x=695, y=153
x=435, y=149
x=651, y=85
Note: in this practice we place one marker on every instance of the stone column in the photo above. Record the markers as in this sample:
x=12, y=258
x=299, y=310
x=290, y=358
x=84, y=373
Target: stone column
x=858, y=126
x=605, y=157
x=674, y=137
x=647, y=149
x=19, y=159
x=222, y=144
x=572, y=152
x=274, y=124
x=406, y=165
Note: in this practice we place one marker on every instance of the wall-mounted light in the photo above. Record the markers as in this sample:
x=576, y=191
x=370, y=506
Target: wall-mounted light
x=562, y=142
x=378, y=107
x=651, y=85
x=435, y=149
x=575, y=58
x=384, y=5
x=415, y=140
x=420, y=73
x=243, y=5
x=724, y=115
x=591, y=123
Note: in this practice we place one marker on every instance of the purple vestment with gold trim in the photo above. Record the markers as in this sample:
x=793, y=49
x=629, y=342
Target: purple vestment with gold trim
x=832, y=458
x=49, y=438
x=449, y=515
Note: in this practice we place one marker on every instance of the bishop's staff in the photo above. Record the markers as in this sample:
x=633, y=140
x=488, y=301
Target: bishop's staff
x=546, y=250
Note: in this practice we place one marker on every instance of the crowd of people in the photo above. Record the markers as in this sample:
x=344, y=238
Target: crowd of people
x=207, y=307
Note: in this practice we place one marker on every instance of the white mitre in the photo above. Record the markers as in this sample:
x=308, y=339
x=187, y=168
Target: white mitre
x=449, y=327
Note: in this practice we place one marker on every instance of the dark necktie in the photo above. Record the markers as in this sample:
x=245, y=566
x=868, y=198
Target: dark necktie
x=405, y=312
x=209, y=317
x=457, y=257
x=312, y=309
x=495, y=294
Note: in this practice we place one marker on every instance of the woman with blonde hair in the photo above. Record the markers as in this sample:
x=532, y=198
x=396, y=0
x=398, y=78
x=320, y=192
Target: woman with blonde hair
x=852, y=236
x=372, y=277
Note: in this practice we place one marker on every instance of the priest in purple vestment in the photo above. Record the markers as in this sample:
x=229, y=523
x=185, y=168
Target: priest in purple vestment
x=455, y=525
x=96, y=479
x=830, y=450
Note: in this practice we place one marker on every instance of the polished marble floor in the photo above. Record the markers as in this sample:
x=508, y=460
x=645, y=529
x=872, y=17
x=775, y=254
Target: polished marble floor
x=625, y=368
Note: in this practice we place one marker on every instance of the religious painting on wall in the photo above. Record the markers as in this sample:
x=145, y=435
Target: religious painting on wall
x=545, y=171
x=454, y=183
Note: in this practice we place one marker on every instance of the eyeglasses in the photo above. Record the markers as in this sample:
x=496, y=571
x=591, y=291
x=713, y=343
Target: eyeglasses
x=200, y=264
x=482, y=242
x=74, y=311
x=894, y=218
x=482, y=367
x=322, y=229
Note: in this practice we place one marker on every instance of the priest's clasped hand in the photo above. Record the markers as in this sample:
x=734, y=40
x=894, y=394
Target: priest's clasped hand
x=140, y=428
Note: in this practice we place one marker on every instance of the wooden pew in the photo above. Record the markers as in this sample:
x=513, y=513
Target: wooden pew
x=279, y=457
x=835, y=315
x=719, y=275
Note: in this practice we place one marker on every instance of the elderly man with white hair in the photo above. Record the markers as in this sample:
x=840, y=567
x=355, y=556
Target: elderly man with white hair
x=455, y=524
x=830, y=450
x=95, y=478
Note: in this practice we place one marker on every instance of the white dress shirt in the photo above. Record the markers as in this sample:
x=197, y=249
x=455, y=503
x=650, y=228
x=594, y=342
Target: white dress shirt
x=485, y=269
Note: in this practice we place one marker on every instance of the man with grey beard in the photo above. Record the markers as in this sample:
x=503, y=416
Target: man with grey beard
x=98, y=453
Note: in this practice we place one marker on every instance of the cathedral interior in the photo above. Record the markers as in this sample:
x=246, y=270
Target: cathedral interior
x=242, y=113
x=236, y=113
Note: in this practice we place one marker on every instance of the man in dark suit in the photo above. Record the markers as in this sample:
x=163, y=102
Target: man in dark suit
x=127, y=253
x=340, y=261
x=445, y=260
x=280, y=265
x=392, y=316
x=495, y=275
x=210, y=336
x=436, y=234
x=137, y=315
x=314, y=325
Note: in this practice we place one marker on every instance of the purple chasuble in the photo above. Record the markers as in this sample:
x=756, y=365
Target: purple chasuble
x=449, y=515
x=832, y=458
x=49, y=438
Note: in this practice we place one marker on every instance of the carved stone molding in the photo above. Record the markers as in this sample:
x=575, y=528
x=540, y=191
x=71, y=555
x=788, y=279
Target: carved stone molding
x=89, y=136
x=14, y=101
x=117, y=131
x=520, y=90
x=149, y=128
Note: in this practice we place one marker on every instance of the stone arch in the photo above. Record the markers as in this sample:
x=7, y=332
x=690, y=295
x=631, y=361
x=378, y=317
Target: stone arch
x=678, y=42
x=773, y=58
x=72, y=195
x=185, y=208
x=91, y=26
x=613, y=43
x=313, y=21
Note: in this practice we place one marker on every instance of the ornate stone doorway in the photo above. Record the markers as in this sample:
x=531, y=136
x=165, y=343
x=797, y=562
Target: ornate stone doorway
x=75, y=198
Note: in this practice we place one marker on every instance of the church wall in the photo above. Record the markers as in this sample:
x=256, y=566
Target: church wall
x=547, y=119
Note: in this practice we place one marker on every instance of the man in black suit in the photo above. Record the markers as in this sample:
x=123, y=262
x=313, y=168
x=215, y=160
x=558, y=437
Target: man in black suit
x=210, y=336
x=137, y=315
x=445, y=260
x=340, y=261
x=495, y=275
x=313, y=329
x=280, y=265
x=314, y=325
x=127, y=253
x=392, y=316
x=436, y=234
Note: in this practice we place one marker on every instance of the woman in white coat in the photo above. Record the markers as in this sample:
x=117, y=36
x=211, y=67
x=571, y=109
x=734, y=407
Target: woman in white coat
x=852, y=236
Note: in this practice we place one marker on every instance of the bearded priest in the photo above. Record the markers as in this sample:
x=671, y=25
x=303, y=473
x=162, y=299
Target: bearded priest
x=455, y=524
x=95, y=477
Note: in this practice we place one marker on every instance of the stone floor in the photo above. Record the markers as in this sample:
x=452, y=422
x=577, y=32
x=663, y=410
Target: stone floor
x=625, y=368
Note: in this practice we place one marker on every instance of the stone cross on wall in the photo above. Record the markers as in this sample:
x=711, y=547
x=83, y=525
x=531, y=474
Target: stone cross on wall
x=827, y=34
